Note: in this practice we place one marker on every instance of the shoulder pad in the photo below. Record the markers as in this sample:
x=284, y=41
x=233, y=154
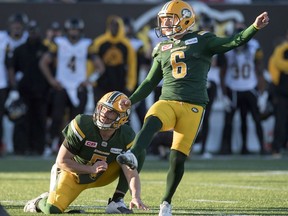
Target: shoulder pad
x=52, y=47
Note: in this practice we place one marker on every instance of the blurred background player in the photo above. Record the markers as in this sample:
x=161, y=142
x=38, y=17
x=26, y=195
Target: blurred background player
x=70, y=81
x=278, y=68
x=244, y=82
x=119, y=58
x=16, y=35
x=30, y=129
x=53, y=31
x=3, y=85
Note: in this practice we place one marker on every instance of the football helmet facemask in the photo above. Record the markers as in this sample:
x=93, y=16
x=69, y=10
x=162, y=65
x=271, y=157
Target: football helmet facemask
x=110, y=101
x=182, y=17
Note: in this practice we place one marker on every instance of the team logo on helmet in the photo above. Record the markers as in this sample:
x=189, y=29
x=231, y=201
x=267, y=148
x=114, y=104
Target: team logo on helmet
x=111, y=102
x=186, y=13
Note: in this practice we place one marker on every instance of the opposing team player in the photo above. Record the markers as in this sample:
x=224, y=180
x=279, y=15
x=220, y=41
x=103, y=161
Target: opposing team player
x=87, y=159
x=183, y=62
x=244, y=81
x=70, y=82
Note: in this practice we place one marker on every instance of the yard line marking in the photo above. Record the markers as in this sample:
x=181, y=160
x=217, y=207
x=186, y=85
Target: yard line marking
x=266, y=173
x=241, y=187
x=214, y=201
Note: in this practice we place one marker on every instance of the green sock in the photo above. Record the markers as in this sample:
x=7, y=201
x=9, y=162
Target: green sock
x=122, y=185
x=47, y=208
x=117, y=196
x=175, y=173
x=143, y=139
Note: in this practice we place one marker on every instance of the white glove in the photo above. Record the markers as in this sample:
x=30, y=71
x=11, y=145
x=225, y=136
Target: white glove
x=12, y=96
x=227, y=103
x=262, y=101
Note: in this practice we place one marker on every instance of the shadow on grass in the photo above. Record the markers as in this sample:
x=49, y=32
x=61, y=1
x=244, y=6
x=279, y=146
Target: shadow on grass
x=38, y=164
x=183, y=211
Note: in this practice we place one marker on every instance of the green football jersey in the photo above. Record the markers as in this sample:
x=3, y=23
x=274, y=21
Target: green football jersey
x=85, y=142
x=184, y=64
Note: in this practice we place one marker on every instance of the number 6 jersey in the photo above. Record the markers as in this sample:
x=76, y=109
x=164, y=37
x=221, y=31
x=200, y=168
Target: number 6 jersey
x=184, y=64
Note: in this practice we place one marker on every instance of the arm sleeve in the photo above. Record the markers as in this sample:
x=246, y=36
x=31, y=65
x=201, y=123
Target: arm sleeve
x=220, y=45
x=153, y=78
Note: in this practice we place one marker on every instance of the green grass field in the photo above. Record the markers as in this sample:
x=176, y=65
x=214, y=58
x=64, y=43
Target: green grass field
x=221, y=186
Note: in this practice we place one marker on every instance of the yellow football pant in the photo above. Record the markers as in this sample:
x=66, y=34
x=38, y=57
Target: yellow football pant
x=67, y=188
x=184, y=118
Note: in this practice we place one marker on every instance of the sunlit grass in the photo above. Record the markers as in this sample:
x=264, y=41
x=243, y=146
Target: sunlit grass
x=221, y=186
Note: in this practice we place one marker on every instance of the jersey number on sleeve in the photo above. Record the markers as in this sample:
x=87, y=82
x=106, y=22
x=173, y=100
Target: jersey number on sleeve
x=179, y=69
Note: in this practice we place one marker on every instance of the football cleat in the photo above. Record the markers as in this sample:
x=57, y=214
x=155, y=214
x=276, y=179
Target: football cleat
x=129, y=159
x=31, y=206
x=117, y=207
x=165, y=209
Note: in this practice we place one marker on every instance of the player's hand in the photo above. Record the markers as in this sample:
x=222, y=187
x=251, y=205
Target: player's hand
x=12, y=96
x=262, y=101
x=227, y=103
x=55, y=84
x=136, y=202
x=261, y=21
x=99, y=166
x=124, y=104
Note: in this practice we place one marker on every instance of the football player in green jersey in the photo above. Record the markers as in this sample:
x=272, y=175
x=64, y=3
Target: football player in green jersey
x=183, y=62
x=87, y=159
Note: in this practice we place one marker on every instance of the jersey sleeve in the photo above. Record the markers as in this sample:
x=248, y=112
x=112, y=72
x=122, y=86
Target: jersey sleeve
x=153, y=78
x=127, y=137
x=218, y=45
x=74, y=135
x=151, y=81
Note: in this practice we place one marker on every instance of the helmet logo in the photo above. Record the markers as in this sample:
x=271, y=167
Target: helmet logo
x=186, y=13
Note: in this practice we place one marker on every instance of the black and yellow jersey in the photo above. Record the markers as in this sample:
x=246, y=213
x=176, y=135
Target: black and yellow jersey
x=119, y=58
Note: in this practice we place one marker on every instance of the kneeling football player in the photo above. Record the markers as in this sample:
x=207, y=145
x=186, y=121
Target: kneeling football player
x=87, y=159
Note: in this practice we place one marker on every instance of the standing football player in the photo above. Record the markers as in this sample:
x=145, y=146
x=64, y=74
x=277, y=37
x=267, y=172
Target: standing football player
x=183, y=62
x=70, y=81
x=244, y=81
x=87, y=159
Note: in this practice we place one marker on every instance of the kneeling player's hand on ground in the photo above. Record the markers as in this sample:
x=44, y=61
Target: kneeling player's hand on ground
x=137, y=202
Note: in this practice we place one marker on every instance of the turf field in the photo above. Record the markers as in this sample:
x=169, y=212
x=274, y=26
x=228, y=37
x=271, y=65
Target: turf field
x=232, y=185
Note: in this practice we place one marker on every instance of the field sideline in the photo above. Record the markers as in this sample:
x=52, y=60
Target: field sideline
x=231, y=185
